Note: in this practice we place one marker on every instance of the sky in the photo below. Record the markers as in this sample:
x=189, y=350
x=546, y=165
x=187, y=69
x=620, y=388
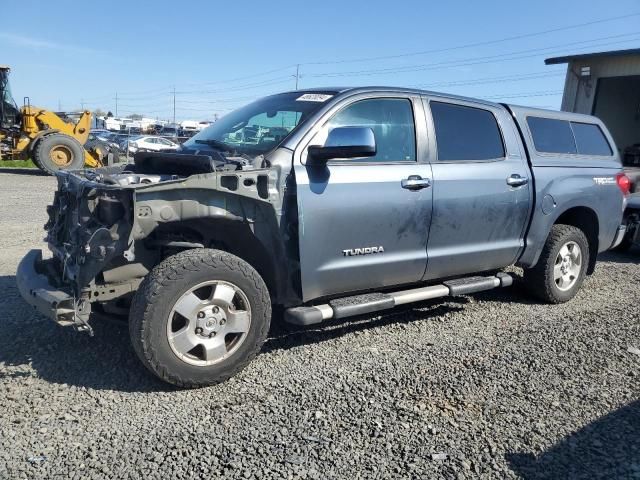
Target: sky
x=221, y=55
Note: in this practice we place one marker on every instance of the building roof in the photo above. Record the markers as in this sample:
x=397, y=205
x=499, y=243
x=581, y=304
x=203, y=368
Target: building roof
x=584, y=56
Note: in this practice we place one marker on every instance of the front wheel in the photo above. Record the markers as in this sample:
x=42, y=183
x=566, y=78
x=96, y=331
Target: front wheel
x=562, y=266
x=199, y=317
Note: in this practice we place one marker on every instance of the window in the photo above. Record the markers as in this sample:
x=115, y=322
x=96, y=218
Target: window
x=259, y=127
x=590, y=139
x=551, y=135
x=561, y=136
x=466, y=133
x=391, y=120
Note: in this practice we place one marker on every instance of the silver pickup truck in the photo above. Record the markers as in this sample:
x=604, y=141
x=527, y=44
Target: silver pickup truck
x=326, y=204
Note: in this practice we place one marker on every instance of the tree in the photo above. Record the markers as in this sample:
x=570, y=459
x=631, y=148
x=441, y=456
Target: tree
x=135, y=116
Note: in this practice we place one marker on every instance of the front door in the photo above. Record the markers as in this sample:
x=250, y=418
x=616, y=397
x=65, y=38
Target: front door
x=360, y=226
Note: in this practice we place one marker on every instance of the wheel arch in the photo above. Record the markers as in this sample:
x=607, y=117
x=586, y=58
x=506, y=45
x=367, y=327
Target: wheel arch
x=233, y=236
x=586, y=219
x=577, y=214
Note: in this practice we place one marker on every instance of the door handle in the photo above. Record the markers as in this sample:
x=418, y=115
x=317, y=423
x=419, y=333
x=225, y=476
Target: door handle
x=516, y=180
x=415, y=182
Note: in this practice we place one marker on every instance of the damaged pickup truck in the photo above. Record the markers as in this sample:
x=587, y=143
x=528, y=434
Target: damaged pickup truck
x=326, y=204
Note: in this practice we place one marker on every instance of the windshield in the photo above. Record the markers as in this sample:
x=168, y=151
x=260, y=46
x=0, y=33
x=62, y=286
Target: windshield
x=261, y=126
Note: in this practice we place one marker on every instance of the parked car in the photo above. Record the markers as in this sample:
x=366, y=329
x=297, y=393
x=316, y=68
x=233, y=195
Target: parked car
x=326, y=204
x=150, y=143
x=186, y=133
x=169, y=131
x=102, y=140
x=100, y=132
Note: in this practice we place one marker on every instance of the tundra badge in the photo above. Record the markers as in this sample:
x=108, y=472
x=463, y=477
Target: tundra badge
x=362, y=251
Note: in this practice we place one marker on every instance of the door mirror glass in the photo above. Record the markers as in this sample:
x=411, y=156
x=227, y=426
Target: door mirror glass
x=344, y=142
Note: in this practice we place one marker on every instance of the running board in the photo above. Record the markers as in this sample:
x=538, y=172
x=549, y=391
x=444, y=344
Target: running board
x=375, y=302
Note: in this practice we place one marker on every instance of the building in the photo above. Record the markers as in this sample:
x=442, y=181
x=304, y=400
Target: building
x=607, y=85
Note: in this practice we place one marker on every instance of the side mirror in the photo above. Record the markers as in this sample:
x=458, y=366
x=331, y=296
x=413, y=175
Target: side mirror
x=343, y=142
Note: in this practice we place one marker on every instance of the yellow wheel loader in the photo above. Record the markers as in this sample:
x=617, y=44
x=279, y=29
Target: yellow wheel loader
x=53, y=141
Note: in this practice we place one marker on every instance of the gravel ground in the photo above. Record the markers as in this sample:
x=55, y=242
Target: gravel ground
x=486, y=386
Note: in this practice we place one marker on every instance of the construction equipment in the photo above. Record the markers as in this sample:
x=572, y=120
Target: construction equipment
x=54, y=141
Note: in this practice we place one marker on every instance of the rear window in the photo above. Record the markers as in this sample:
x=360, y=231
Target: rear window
x=466, y=133
x=590, y=140
x=551, y=135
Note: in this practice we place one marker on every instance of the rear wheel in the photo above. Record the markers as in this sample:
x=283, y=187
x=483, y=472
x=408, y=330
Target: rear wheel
x=58, y=152
x=199, y=317
x=562, y=266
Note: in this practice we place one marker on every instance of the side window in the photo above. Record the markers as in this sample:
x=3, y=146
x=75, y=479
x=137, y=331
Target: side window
x=466, y=133
x=151, y=140
x=551, y=135
x=590, y=140
x=391, y=120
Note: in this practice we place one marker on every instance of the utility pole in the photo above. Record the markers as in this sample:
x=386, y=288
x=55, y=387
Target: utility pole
x=174, y=110
x=59, y=106
x=82, y=104
x=116, y=104
x=297, y=75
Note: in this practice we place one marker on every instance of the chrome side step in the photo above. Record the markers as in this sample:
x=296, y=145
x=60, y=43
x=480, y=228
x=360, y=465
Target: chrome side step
x=375, y=302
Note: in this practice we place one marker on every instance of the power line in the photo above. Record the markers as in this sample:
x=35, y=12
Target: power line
x=165, y=90
x=272, y=81
x=544, y=93
x=246, y=77
x=471, y=61
x=488, y=80
x=475, y=44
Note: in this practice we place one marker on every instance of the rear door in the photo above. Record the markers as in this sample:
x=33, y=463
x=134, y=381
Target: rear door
x=481, y=188
x=359, y=227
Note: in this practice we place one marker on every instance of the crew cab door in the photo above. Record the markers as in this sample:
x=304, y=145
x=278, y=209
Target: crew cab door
x=481, y=188
x=360, y=226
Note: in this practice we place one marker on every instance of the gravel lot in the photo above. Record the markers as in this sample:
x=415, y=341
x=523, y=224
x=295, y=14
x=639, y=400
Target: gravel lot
x=485, y=386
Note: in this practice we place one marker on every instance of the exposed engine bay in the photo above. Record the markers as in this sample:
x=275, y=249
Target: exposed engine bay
x=153, y=167
x=108, y=227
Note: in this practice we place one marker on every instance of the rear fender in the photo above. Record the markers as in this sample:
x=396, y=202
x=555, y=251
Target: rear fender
x=559, y=190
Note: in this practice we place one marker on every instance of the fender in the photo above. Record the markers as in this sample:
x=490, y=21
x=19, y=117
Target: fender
x=558, y=190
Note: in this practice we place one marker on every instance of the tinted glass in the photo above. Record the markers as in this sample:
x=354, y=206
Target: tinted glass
x=391, y=120
x=466, y=133
x=551, y=135
x=590, y=139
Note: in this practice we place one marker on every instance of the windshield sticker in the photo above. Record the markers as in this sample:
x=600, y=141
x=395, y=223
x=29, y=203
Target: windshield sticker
x=313, y=97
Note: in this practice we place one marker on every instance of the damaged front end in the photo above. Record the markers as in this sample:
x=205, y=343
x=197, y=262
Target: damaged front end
x=89, y=225
x=109, y=227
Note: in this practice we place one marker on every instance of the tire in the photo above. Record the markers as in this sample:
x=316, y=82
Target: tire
x=163, y=338
x=58, y=152
x=542, y=280
x=34, y=157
